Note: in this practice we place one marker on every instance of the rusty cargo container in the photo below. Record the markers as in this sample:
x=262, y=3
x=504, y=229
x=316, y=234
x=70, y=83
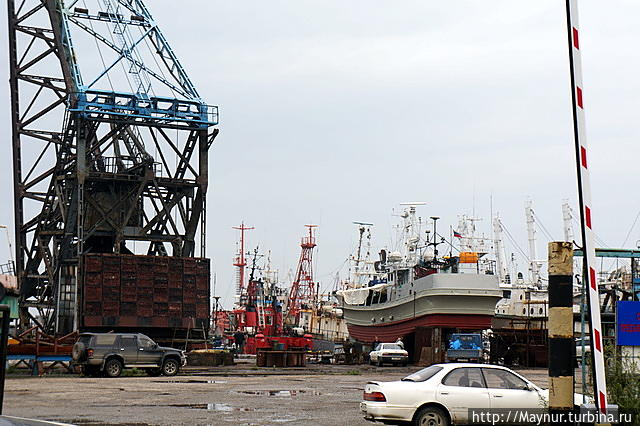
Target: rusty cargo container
x=156, y=294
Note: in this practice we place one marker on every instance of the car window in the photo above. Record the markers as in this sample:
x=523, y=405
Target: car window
x=86, y=339
x=467, y=377
x=390, y=346
x=503, y=379
x=128, y=342
x=423, y=375
x=105, y=339
x=145, y=342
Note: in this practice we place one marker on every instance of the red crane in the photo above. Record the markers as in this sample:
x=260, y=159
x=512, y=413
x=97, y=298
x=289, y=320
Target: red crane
x=303, y=288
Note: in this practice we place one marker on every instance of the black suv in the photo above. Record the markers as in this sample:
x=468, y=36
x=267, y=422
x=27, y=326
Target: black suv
x=109, y=353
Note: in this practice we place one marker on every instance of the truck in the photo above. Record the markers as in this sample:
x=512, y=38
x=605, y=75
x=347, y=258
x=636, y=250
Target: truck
x=465, y=347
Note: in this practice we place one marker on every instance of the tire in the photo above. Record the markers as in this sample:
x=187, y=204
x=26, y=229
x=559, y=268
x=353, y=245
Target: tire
x=380, y=362
x=431, y=416
x=78, y=352
x=170, y=367
x=113, y=368
x=405, y=363
x=153, y=372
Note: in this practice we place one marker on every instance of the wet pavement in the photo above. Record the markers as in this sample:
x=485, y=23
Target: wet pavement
x=320, y=395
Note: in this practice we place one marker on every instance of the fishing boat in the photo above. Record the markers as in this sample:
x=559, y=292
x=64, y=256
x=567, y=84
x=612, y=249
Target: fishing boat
x=413, y=286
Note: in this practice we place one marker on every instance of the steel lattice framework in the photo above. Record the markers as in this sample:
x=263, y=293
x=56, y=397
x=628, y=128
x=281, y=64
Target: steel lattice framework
x=303, y=293
x=110, y=160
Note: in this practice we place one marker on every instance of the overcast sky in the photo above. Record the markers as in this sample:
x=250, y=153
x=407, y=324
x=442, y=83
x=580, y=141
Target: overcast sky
x=336, y=111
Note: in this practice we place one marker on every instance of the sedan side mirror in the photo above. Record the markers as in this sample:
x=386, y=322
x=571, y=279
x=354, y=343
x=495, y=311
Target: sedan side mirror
x=529, y=387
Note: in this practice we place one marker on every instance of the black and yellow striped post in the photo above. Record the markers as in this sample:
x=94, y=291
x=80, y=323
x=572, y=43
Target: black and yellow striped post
x=561, y=343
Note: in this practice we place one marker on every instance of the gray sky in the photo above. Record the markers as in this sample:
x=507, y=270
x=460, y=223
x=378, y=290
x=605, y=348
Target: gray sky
x=337, y=111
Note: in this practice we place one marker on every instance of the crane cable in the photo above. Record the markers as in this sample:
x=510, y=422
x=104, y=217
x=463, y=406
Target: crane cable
x=98, y=47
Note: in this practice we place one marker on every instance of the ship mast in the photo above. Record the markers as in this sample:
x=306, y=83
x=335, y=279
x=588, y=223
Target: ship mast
x=363, y=227
x=534, y=264
x=501, y=262
x=240, y=261
x=411, y=231
x=303, y=289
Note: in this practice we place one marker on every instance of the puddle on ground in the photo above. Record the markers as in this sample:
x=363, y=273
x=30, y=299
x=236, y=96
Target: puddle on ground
x=286, y=393
x=203, y=406
x=352, y=388
x=217, y=382
x=211, y=407
x=286, y=419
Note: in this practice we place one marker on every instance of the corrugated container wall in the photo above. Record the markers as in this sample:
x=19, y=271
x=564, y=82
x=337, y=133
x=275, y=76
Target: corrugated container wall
x=145, y=291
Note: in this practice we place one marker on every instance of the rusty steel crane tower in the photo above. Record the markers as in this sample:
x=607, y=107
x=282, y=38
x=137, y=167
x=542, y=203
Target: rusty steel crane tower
x=303, y=292
x=110, y=158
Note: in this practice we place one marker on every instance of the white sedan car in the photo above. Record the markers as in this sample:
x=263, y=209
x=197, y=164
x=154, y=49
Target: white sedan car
x=389, y=353
x=442, y=394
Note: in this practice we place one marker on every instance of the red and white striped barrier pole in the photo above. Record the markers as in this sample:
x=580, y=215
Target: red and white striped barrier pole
x=584, y=195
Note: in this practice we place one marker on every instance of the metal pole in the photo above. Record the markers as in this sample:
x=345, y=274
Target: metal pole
x=561, y=345
x=6, y=318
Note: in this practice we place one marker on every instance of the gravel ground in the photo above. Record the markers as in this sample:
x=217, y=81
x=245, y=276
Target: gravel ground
x=319, y=395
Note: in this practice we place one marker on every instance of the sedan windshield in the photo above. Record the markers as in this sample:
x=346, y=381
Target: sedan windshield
x=423, y=375
x=390, y=346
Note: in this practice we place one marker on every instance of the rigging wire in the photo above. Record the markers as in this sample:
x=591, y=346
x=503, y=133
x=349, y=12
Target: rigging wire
x=138, y=56
x=158, y=66
x=596, y=236
x=513, y=241
x=104, y=64
x=328, y=287
x=124, y=70
x=631, y=230
x=545, y=231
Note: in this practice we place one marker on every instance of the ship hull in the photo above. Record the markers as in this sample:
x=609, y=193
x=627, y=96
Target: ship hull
x=440, y=300
x=391, y=331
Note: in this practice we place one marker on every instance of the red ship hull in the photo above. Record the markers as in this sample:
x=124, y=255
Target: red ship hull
x=391, y=331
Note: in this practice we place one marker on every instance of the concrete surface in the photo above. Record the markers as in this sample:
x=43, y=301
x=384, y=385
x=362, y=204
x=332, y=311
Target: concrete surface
x=319, y=395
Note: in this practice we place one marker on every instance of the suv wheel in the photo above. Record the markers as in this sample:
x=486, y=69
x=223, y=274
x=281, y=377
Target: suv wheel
x=113, y=368
x=170, y=367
